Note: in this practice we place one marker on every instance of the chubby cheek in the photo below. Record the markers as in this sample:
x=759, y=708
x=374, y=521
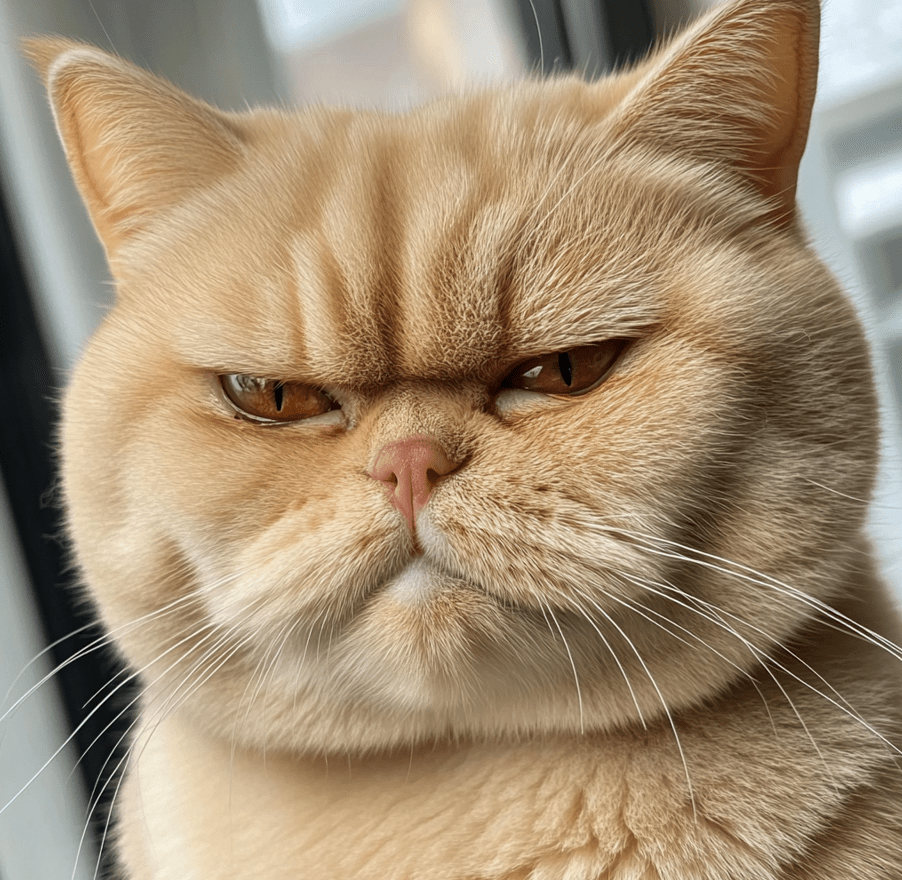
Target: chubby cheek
x=313, y=566
x=277, y=524
x=227, y=477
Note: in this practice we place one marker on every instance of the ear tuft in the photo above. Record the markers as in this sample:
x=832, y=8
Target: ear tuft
x=136, y=144
x=43, y=51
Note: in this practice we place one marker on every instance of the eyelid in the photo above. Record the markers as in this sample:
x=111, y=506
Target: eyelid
x=515, y=402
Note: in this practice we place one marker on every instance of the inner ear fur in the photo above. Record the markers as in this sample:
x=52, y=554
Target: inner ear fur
x=135, y=143
x=736, y=89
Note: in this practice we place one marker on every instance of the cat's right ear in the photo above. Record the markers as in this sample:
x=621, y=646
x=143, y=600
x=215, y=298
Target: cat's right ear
x=136, y=144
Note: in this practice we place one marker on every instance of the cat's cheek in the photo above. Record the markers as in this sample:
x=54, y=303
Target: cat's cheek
x=312, y=564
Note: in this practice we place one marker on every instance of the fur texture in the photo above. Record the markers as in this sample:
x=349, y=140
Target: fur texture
x=635, y=632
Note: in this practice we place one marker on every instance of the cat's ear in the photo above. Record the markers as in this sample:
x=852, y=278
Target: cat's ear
x=136, y=144
x=735, y=88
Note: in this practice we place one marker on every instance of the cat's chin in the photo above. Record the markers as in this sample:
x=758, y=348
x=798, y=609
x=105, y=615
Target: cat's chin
x=422, y=642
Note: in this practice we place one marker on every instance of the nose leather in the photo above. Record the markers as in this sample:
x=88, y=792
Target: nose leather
x=410, y=469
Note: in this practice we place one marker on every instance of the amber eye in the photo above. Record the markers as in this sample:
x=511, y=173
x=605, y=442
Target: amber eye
x=268, y=400
x=566, y=372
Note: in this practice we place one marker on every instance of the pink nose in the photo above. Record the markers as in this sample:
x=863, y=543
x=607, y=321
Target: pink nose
x=410, y=469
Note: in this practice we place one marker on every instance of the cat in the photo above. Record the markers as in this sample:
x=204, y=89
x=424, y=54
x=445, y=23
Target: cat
x=478, y=491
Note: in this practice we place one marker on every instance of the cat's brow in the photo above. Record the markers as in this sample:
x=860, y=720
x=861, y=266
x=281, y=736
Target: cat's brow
x=316, y=292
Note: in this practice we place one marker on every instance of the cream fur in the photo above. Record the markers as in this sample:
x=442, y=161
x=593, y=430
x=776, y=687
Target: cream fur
x=643, y=638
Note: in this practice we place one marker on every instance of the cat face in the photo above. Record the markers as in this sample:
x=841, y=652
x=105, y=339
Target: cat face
x=512, y=414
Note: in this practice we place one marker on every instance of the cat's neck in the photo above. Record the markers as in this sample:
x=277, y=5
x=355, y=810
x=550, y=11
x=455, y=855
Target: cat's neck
x=600, y=798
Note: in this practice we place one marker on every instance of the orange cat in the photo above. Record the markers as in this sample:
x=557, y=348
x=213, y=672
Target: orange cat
x=474, y=488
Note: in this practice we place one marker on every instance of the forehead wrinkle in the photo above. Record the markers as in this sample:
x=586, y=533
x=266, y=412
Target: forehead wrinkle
x=423, y=295
x=316, y=294
x=359, y=223
x=457, y=225
x=475, y=269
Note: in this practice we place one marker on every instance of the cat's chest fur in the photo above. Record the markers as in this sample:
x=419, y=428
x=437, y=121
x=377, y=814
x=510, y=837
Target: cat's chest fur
x=770, y=795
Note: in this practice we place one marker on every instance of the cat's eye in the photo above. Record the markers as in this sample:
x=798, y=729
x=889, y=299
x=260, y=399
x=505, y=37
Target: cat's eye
x=566, y=372
x=268, y=400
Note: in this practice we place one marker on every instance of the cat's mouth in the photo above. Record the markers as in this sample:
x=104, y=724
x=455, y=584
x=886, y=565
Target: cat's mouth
x=421, y=580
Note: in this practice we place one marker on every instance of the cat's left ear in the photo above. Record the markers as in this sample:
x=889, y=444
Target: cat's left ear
x=136, y=145
x=734, y=89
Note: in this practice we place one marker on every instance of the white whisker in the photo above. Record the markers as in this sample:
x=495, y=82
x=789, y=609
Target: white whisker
x=613, y=654
x=657, y=690
x=99, y=643
x=752, y=576
x=714, y=616
x=665, y=623
x=579, y=695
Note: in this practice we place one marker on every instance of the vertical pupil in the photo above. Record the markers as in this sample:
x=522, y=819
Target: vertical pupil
x=277, y=394
x=566, y=368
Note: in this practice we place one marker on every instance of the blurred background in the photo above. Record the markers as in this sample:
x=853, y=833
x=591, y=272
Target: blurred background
x=55, y=286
